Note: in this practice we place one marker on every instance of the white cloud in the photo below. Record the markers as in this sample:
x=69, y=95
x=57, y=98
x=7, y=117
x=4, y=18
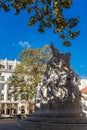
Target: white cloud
x=24, y=44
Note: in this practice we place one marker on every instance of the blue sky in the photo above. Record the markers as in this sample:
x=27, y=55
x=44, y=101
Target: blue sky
x=16, y=35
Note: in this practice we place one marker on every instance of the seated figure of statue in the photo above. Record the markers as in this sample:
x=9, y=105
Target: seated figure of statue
x=55, y=51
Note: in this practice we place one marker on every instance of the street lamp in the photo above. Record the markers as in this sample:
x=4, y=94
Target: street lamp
x=10, y=104
x=0, y=108
x=10, y=101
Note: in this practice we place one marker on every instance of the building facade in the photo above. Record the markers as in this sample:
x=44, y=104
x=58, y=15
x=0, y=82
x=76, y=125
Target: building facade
x=8, y=105
x=83, y=82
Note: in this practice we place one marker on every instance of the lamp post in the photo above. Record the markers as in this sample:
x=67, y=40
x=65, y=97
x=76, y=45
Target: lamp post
x=10, y=101
x=10, y=104
x=0, y=108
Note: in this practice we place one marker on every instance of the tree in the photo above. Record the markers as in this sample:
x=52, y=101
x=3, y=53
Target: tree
x=29, y=72
x=48, y=14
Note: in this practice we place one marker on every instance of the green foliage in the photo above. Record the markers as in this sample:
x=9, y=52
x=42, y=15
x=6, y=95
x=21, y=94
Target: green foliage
x=30, y=71
x=48, y=14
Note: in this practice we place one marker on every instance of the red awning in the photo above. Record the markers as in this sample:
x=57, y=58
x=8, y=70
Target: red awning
x=84, y=90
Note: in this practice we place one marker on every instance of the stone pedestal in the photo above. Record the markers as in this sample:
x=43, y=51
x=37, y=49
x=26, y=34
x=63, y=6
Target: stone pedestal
x=45, y=123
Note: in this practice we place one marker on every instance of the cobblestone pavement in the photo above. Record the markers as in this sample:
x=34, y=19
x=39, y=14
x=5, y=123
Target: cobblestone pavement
x=9, y=125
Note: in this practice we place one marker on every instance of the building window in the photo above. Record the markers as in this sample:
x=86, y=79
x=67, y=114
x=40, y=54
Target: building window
x=9, y=97
x=2, y=66
x=9, y=87
x=2, y=78
x=9, y=78
x=10, y=67
x=2, y=97
x=2, y=87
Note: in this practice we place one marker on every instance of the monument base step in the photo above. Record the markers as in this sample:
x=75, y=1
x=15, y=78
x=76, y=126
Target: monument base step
x=54, y=124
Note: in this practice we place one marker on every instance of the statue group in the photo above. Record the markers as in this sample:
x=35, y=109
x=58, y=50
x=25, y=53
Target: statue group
x=58, y=105
x=59, y=85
